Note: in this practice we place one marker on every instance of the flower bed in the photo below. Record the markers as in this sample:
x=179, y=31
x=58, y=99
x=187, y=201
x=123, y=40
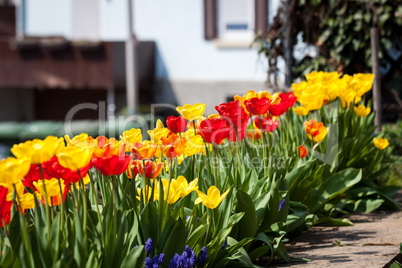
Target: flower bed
x=217, y=191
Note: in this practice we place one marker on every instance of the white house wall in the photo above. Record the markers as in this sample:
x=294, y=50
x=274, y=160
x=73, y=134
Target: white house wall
x=186, y=63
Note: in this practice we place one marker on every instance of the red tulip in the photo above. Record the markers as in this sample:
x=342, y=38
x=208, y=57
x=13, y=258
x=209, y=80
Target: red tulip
x=287, y=101
x=241, y=133
x=34, y=175
x=258, y=106
x=112, y=164
x=5, y=208
x=176, y=124
x=278, y=109
x=268, y=125
x=290, y=99
x=111, y=159
x=53, y=169
x=214, y=130
x=234, y=113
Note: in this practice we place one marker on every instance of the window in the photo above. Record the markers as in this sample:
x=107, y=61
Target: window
x=86, y=20
x=236, y=20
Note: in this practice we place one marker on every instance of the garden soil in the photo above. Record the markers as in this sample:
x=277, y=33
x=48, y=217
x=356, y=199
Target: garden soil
x=373, y=241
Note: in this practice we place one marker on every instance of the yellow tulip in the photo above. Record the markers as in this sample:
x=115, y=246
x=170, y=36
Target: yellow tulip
x=213, y=197
x=156, y=193
x=159, y=124
x=332, y=90
x=361, y=110
x=52, y=190
x=319, y=86
x=52, y=187
x=192, y=112
x=310, y=95
x=184, y=187
x=174, y=195
x=74, y=158
x=174, y=192
x=27, y=201
x=12, y=170
x=82, y=140
x=300, y=111
x=363, y=82
x=39, y=150
x=18, y=186
x=210, y=117
x=157, y=133
x=275, y=99
x=130, y=137
x=195, y=145
x=381, y=143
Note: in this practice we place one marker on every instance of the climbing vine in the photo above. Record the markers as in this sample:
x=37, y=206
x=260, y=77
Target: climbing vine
x=340, y=32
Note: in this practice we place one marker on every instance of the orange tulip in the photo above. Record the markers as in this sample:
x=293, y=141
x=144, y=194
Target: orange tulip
x=257, y=134
x=303, y=151
x=152, y=169
x=143, y=151
x=107, y=147
x=316, y=131
x=174, y=146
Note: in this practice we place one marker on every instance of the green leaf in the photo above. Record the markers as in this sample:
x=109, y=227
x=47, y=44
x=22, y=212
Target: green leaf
x=235, y=218
x=270, y=212
x=232, y=246
x=176, y=241
x=150, y=223
x=135, y=258
x=396, y=264
x=336, y=185
x=248, y=224
x=296, y=218
x=167, y=230
x=196, y=235
x=299, y=172
x=367, y=205
x=335, y=222
x=258, y=252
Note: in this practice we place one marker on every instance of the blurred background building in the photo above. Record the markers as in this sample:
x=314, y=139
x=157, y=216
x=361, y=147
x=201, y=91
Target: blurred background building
x=121, y=56
x=57, y=54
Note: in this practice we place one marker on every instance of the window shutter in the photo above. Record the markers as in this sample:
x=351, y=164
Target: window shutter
x=261, y=17
x=210, y=23
x=7, y=21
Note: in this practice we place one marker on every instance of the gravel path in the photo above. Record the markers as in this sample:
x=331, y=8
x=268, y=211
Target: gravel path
x=372, y=242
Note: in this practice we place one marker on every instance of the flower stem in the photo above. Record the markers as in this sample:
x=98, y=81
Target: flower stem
x=62, y=208
x=84, y=197
x=146, y=182
x=264, y=153
x=167, y=192
x=46, y=205
x=95, y=191
x=114, y=212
